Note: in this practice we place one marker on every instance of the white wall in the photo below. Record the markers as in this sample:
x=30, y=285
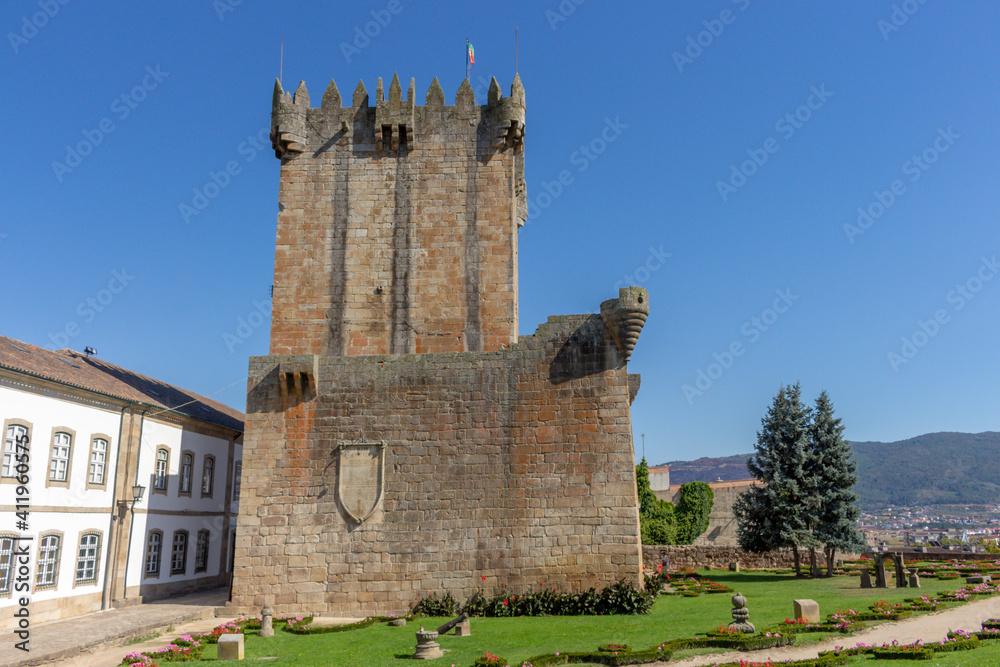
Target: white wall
x=173, y=511
x=46, y=412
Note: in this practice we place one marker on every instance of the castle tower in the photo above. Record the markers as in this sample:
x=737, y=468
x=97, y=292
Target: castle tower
x=401, y=438
x=397, y=230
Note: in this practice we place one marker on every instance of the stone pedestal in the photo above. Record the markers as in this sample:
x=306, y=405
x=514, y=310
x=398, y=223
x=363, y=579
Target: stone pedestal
x=979, y=579
x=231, y=647
x=734, y=567
x=866, y=579
x=914, y=579
x=398, y=622
x=266, y=621
x=463, y=629
x=807, y=609
x=427, y=648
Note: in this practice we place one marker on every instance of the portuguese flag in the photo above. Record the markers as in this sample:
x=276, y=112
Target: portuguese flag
x=472, y=53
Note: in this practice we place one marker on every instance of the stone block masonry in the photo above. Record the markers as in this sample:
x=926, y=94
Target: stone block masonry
x=516, y=466
x=400, y=439
x=716, y=557
x=397, y=230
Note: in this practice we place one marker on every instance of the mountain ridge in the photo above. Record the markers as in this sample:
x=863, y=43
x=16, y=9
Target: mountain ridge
x=946, y=467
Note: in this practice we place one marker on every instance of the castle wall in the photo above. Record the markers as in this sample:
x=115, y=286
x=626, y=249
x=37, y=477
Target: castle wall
x=514, y=467
x=715, y=557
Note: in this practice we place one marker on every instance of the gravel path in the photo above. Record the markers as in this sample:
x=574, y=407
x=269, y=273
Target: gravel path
x=929, y=627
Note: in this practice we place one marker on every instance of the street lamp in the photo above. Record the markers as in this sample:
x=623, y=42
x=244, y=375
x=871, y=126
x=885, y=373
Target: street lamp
x=123, y=505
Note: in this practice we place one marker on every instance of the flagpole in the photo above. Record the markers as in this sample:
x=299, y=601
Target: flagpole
x=466, y=57
x=515, y=49
x=281, y=67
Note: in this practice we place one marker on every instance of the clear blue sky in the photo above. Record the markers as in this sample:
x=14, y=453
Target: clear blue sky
x=832, y=100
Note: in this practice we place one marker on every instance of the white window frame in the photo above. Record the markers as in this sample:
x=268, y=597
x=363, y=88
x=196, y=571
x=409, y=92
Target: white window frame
x=178, y=552
x=14, y=431
x=186, y=472
x=47, y=570
x=161, y=470
x=207, y=476
x=62, y=451
x=154, y=553
x=201, y=550
x=88, y=558
x=7, y=568
x=98, y=462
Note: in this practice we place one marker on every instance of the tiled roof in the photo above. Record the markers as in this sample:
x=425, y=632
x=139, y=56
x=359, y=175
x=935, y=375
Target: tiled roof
x=93, y=374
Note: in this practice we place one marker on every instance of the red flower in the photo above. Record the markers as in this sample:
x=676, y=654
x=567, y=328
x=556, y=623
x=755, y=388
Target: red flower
x=506, y=602
x=484, y=577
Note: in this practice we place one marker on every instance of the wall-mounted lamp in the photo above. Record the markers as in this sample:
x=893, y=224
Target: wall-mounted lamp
x=123, y=505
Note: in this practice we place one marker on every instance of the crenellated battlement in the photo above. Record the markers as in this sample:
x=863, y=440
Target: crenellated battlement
x=393, y=121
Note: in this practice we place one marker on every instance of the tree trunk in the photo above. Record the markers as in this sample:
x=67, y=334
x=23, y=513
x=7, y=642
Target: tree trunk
x=831, y=554
x=797, y=559
x=812, y=562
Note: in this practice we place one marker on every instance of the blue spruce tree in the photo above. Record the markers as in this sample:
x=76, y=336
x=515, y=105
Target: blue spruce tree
x=835, y=474
x=784, y=510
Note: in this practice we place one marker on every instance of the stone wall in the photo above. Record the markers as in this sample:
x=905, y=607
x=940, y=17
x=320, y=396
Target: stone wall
x=512, y=467
x=397, y=230
x=937, y=554
x=713, y=556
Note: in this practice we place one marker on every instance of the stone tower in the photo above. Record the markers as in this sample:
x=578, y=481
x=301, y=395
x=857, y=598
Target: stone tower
x=398, y=224
x=401, y=438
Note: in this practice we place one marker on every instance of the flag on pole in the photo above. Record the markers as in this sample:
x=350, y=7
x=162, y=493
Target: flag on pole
x=472, y=53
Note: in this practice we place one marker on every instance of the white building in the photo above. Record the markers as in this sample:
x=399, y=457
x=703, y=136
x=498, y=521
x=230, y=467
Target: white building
x=93, y=433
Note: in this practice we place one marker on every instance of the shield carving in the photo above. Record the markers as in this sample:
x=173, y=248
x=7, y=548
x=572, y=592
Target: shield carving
x=360, y=475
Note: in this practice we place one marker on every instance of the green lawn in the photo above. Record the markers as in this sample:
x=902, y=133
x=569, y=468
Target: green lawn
x=769, y=601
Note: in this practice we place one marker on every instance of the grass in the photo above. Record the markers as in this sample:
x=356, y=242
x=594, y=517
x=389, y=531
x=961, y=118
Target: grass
x=144, y=638
x=516, y=639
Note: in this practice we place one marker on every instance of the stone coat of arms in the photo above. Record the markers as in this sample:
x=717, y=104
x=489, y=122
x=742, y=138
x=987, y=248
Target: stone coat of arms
x=360, y=478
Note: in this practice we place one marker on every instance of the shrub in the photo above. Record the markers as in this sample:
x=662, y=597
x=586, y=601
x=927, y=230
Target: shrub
x=912, y=652
x=436, y=606
x=618, y=598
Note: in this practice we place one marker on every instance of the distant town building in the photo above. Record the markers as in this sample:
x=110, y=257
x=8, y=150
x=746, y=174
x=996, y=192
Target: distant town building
x=94, y=433
x=659, y=478
x=721, y=531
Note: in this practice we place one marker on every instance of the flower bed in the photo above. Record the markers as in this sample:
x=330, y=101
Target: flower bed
x=694, y=586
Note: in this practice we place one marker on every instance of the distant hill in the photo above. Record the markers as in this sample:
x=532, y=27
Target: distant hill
x=932, y=469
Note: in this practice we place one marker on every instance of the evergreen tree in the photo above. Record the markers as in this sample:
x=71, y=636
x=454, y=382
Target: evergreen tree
x=784, y=510
x=656, y=517
x=835, y=477
x=692, y=511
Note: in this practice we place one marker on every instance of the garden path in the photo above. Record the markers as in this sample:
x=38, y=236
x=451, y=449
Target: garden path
x=929, y=627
